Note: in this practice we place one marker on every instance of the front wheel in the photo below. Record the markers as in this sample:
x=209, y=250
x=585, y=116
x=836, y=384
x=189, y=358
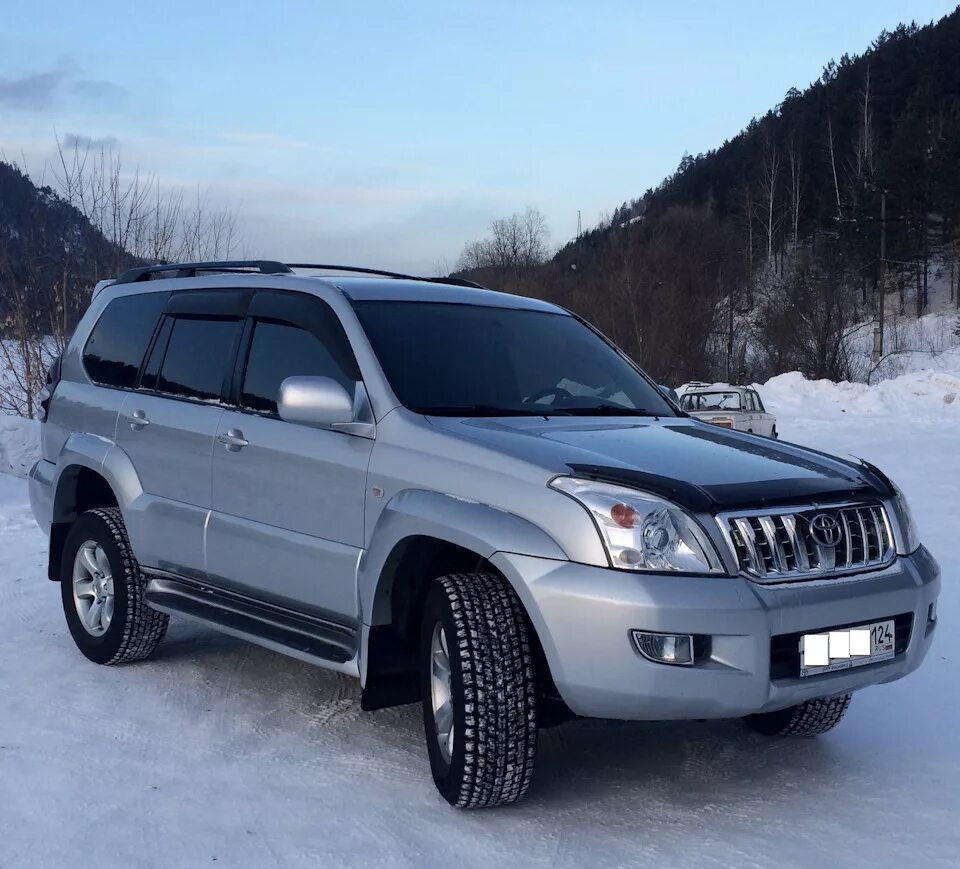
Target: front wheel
x=478, y=691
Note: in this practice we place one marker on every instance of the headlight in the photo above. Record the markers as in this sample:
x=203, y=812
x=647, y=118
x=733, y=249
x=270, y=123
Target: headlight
x=641, y=531
x=908, y=528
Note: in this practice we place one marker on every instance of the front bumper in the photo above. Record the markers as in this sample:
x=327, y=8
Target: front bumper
x=584, y=615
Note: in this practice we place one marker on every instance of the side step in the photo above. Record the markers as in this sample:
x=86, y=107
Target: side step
x=309, y=639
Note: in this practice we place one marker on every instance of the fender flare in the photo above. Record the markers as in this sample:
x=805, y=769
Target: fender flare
x=98, y=454
x=471, y=525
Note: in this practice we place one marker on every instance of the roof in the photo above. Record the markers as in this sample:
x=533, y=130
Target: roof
x=714, y=387
x=362, y=289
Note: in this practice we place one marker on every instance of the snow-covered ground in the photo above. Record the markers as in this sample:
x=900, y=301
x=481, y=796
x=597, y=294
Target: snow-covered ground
x=218, y=752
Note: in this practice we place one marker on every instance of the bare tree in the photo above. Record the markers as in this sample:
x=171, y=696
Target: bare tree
x=796, y=191
x=863, y=162
x=769, y=183
x=833, y=167
x=516, y=245
x=136, y=216
x=48, y=287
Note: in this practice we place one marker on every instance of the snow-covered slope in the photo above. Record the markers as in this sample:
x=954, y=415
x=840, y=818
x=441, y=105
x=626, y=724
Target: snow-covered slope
x=221, y=753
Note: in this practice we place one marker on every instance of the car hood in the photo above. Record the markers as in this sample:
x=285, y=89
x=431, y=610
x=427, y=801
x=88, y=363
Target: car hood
x=699, y=465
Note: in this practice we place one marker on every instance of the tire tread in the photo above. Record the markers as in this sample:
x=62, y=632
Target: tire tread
x=499, y=689
x=144, y=628
x=810, y=718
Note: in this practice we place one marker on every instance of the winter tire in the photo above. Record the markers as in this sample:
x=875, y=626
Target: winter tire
x=102, y=590
x=478, y=691
x=805, y=719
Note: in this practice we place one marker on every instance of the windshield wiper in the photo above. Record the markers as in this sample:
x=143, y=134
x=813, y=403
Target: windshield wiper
x=476, y=410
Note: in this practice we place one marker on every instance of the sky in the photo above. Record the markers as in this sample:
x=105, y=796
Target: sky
x=389, y=134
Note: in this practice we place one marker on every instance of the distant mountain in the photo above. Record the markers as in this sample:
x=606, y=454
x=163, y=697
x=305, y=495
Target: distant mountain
x=45, y=243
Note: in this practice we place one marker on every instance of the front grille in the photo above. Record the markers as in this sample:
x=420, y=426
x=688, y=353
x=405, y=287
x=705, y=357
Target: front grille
x=810, y=543
x=785, y=648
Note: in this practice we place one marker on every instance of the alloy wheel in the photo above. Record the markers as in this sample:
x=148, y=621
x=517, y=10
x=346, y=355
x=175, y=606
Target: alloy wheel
x=93, y=592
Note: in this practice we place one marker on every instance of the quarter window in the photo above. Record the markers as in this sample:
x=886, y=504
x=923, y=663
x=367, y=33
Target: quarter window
x=198, y=355
x=279, y=351
x=115, y=349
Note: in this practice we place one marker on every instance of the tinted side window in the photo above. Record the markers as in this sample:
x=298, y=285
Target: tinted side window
x=279, y=351
x=199, y=352
x=115, y=349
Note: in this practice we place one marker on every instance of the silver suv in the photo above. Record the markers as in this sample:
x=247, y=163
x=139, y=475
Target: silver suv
x=463, y=498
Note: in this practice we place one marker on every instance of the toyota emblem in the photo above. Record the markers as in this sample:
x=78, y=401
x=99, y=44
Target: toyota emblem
x=825, y=530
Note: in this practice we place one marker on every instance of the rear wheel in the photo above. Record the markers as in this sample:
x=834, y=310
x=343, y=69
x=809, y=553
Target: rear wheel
x=478, y=691
x=102, y=590
x=805, y=719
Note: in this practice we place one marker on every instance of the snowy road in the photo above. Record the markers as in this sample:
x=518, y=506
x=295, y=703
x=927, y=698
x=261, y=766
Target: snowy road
x=217, y=752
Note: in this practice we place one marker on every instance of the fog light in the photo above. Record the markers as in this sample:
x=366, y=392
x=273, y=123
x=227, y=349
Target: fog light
x=665, y=648
x=932, y=613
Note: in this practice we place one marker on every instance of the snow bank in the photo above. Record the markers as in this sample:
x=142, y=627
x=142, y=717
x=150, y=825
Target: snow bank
x=19, y=444
x=919, y=394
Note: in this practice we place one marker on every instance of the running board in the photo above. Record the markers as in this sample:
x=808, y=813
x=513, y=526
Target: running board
x=310, y=639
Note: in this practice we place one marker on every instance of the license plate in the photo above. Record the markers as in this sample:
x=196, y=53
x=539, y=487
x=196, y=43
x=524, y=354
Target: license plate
x=850, y=647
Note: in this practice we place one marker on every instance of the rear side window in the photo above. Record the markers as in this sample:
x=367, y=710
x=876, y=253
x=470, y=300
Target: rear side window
x=279, y=351
x=199, y=353
x=115, y=349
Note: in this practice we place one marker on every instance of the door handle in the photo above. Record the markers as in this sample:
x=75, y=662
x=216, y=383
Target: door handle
x=138, y=420
x=233, y=440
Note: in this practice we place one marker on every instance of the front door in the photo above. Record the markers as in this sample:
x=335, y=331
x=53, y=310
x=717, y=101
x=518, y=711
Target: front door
x=288, y=499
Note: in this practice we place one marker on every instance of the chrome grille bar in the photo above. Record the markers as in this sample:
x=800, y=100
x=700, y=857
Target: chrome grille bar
x=774, y=546
x=800, y=556
x=770, y=532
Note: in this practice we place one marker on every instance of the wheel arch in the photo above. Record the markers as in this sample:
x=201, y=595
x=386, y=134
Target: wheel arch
x=419, y=537
x=93, y=472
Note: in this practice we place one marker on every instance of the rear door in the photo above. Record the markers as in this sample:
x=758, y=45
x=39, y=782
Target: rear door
x=168, y=426
x=288, y=499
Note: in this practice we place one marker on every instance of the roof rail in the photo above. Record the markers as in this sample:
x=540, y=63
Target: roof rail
x=189, y=270
x=362, y=271
x=269, y=267
x=459, y=282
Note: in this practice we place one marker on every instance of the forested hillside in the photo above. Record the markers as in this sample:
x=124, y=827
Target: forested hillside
x=49, y=253
x=766, y=254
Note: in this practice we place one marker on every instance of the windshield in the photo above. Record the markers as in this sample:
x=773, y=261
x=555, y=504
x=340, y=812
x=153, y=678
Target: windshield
x=470, y=360
x=710, y=401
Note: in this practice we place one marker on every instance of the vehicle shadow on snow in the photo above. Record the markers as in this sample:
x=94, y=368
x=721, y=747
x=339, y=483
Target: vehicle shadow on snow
x=687, y=764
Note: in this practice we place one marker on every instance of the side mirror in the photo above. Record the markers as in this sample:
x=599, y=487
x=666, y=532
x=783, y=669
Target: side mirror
x=316, y=401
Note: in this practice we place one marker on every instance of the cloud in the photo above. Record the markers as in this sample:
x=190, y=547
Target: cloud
x=43, y=90
x=32, y=91
x=84, y=143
